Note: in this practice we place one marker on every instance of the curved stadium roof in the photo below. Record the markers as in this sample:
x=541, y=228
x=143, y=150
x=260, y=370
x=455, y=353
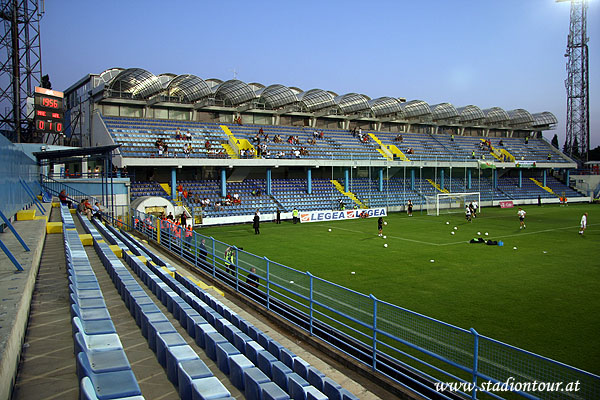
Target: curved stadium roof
x=316, y=99
x=495, y=115
x=234, y=92
x=189, y=88
x=544, y=118
x=416, y=108
x=520, y=117
x=277, y=96
x=352, y=102
x=470, y=113
x=138, y=83
x=443, y=111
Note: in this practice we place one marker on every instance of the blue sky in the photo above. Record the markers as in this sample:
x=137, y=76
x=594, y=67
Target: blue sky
x=506, y=53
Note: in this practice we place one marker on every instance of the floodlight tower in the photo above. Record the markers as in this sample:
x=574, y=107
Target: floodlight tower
x=21, y=71
x=577, y=83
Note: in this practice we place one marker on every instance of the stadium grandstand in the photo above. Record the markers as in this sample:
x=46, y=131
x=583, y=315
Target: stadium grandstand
x=137, y=306
x=311, y=149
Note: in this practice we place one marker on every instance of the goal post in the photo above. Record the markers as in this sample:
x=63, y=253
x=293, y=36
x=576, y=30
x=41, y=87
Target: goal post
x=448, y=203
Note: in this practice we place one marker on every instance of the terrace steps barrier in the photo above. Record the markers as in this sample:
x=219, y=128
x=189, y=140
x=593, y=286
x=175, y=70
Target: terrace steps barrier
x=237, y=144
x=435, y=185
x=546, y=188
x=383, y=149
x=229, y=150
x=166, y=187
x=351, y=195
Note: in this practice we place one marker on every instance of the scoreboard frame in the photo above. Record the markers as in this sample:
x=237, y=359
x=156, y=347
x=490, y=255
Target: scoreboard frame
x=48, y=111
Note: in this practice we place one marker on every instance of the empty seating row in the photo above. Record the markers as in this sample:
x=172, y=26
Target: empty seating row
x=102, y=366
x=172, y=351
x=236, y=340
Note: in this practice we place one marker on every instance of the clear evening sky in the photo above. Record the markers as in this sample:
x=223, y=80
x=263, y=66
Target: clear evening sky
x=507, y=53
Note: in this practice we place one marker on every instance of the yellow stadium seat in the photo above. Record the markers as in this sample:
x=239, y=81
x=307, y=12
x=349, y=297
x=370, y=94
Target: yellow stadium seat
x=54, y=227
x=25, y=215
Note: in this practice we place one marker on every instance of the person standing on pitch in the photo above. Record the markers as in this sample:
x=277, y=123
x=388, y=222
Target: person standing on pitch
x=380, y=226
x=256, y=224
x=583, y=224
x=521, y=213
x=295, y=215
x=409, y=207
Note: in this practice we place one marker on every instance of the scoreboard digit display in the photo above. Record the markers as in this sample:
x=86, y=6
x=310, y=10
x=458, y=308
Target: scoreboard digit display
x=48, y=111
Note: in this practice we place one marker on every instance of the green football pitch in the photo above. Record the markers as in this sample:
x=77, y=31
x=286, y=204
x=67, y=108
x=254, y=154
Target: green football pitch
x=539, y=291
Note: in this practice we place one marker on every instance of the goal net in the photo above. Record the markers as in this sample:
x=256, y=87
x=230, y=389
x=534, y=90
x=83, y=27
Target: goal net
x=446, y=203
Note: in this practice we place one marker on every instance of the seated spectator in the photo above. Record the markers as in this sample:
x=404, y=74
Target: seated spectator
x=500, y=143
x=85, y=208
x=96, y=211
x=261, y=132
x=410, y=151
x=207, y=144
x=177, y=134
x=62, y=196
x=236, y=198
x=316, y=134
x=398, y=138
x=218, y=206
x=188, y=135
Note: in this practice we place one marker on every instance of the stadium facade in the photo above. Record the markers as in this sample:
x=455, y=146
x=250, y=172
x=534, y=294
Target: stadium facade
x=371, y=152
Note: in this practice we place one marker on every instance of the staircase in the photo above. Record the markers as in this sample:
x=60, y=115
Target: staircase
x=350, y=195
x=235, y=144
x=166, y=187
x=388, y=151
x=229, y=150
x=546, y=188
x=435, y=185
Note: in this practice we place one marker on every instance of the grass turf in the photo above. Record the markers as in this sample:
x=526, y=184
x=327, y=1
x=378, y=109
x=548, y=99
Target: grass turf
x=542, y=297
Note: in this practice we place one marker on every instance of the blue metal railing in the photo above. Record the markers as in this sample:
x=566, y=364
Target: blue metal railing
x=414, y=350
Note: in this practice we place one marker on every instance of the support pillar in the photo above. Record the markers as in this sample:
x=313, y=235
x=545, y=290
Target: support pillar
x=442, y=179
x=381, y=180
x=174, y=182
x=346, y=179
x=268, y=181
x=412, y=179
x=223, y=182
x=544, y=177
x=495, y=177
x=520, y=178
x=567, y=177
x=309, y=181
x=469, y=178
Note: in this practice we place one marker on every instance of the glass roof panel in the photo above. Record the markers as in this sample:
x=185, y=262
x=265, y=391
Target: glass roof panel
x=415, y=108
x=234, y=92
x=351, y=103
x=520, y=117
x=443, y=111
x=470, y=113
x=316, y=99
x=385, y=106
x=189, y=87
x=137, y=82
x=276, y=96
x=495, y=115
x=109, y=74
x=544, y=118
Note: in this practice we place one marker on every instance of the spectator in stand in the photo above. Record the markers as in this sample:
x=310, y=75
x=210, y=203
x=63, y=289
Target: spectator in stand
x=188, y=135
x=183, y=219
x=177, y=134
x=202, y=249
x=261, y=132
x=170, y=216
x=218, y=206
x=64, y=199
x=398, y=138
x=316, y=134
x=96, y=211
x=207, y=145
x=236, y=198
x=252, y=278
x=85, y=208
x=179, y=191
x=185, y=194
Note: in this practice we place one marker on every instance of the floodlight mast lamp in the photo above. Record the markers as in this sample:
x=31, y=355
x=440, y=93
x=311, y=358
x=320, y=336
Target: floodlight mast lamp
x=577, y=82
